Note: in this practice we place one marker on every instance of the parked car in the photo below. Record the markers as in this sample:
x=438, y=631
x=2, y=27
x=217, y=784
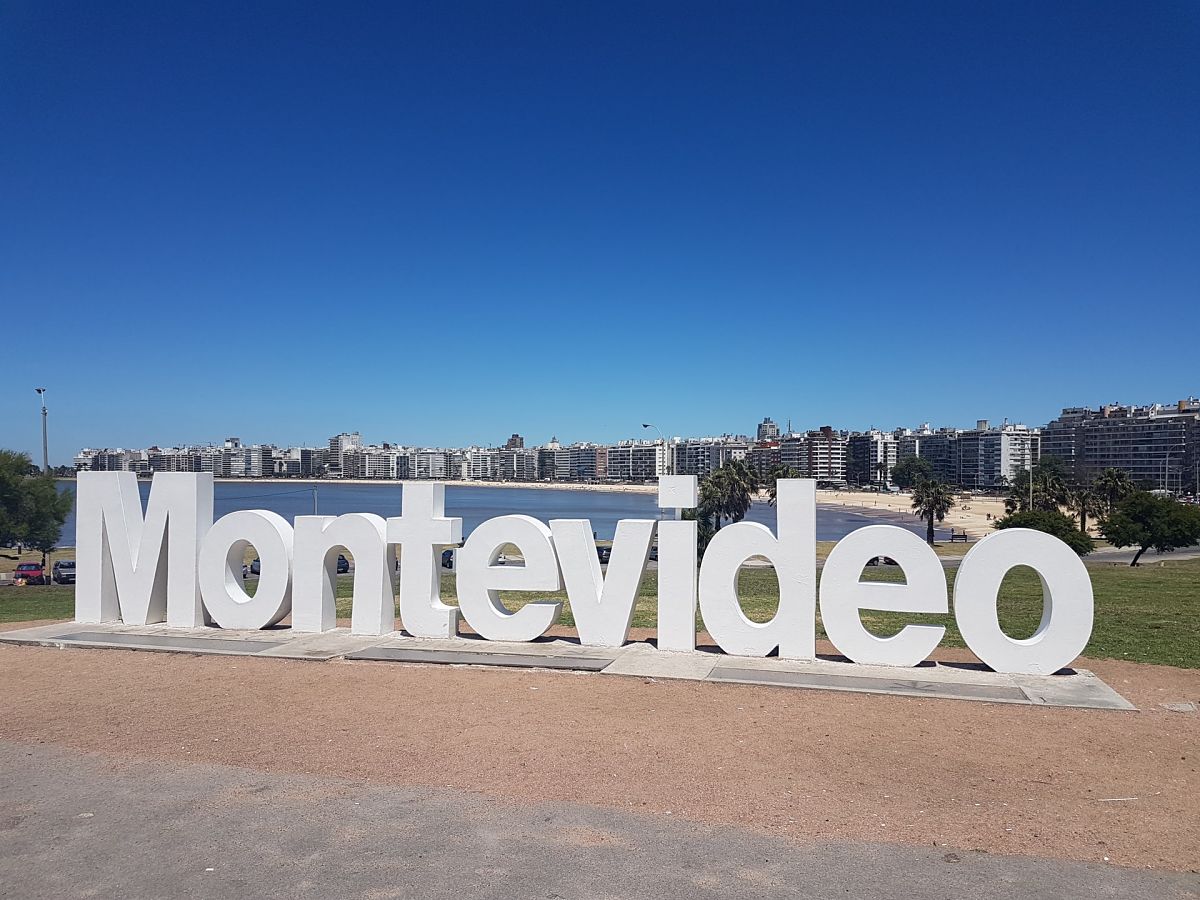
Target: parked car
x=64, y=572
x=343, y=565
x=604, y=553
x=653, y=553
x=30, y=573
x=447, y=559
x=255, y=567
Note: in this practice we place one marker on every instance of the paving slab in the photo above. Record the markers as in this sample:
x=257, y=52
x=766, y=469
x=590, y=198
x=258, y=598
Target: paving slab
x=473, y=658
x=1083, y=689
x=904, y=687
x=646, y=661
x=205, y=644
x=322, y=646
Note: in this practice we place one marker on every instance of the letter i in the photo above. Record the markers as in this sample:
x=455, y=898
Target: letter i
x=677, y=565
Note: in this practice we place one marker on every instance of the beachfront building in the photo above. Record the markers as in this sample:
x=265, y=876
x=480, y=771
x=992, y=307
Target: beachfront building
x=517, y=464
x=581, y=462
x=479, y=464
x=702, y=455
x=819, y=454
x=106, y=460
x=870, y=457
x=338, y=445
x=982, y=458
x=990, y=458
x=826, y=455
x=1157, y=445
x=302, y=462
x=434, y=465
x=635, y=461
x=937, y=447
x=764, y=457
x=386, y=461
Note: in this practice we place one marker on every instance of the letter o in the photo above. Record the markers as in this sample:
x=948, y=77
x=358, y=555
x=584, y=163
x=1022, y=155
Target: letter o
x=220, y=566
x=1067, y=602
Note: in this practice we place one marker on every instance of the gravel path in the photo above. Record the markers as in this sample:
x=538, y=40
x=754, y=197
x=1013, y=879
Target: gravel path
x=84, y=825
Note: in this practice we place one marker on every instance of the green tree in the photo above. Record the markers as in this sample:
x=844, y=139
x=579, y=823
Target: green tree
x=704, y=528
x=32, y=511
x=1144, y=520
x=1111, y=487
x=15, y=468
x=773, y=479
x=932, y=500
x=1053, y=522
x=910, y=472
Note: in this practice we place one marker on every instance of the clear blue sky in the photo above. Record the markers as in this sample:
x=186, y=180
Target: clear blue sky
x=439, y=223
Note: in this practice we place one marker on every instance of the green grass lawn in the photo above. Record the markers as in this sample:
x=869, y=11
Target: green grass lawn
x=1148, y=614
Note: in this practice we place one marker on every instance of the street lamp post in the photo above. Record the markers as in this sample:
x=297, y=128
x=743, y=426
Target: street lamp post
x=666, y=446
x=41, y=392
x=670, y=463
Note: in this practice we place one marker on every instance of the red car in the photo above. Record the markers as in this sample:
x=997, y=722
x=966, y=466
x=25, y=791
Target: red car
x=30, y=573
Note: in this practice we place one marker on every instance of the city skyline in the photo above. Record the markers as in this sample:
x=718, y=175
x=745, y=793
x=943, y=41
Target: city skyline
x=63, y=456
x=1140, y=440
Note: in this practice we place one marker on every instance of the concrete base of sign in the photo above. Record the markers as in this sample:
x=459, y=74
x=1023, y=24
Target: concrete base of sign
x=955, y=681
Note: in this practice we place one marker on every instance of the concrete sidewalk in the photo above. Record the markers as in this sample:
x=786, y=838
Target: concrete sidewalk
x=953, y=681
x=82, y=825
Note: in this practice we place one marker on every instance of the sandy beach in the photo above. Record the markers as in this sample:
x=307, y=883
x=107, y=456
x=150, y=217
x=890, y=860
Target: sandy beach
x=974, y=515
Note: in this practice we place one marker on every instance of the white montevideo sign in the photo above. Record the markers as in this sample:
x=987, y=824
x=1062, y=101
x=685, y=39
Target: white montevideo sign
x=173, y=563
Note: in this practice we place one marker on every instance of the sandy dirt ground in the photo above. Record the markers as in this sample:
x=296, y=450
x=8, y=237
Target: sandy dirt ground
x=971, y=514
x=1099, y=786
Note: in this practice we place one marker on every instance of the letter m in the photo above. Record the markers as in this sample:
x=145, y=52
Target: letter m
x=140, y=569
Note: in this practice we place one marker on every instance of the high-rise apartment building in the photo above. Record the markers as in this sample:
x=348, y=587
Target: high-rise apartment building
x=767, y=430
x=870, y=457
x=1156, y=445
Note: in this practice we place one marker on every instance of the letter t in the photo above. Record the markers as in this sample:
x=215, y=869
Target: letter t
x=420, y=533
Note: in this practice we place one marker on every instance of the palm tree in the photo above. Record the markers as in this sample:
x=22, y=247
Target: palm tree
x=704, y=528
x=727, y=492
x=773, y=480
x=1051, y=487
x=1083, y=500
x=1111, y=487
x=932, y=500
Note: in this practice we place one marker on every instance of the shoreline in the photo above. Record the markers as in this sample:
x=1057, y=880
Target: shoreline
x=972, y=515
x=451, y=482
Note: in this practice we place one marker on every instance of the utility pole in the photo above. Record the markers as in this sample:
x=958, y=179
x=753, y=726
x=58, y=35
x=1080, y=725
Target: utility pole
x=41, y=392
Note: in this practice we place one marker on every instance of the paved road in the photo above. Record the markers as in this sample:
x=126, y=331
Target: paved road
x=77, y=825
x=1114, y=556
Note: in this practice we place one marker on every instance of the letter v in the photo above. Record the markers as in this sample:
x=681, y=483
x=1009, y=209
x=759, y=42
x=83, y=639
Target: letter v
x=602, y=605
